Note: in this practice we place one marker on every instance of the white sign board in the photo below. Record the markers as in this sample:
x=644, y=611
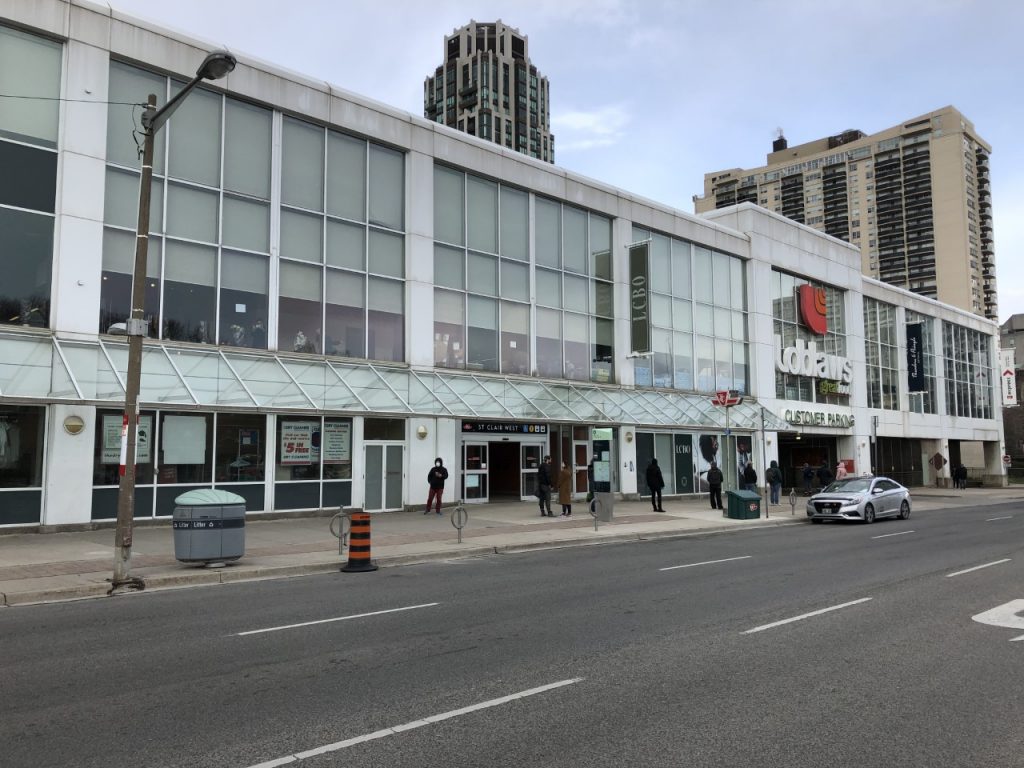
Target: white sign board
x=111, y=451
x=297, y=442
x=1008, y=377
x=337, y=442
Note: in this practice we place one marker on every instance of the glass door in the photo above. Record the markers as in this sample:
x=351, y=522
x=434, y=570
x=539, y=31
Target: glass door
x=530, y=456
x=580, y=459
x=384, y=478
x=474, y=472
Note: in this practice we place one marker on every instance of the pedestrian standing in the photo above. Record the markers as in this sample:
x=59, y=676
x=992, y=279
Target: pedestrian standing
x=750, y=477
x=824, y=476
x=841, y=472
x=544, y=483
x=808, y=475
x=436, y=477
x=773, y=476
x=655, y=482
x=714, y=478
x=565, y=490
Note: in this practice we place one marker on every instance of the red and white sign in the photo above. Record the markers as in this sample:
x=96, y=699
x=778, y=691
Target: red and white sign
x=727, y=398
x=813, y=308
x=1008, y=377
x=297, y=442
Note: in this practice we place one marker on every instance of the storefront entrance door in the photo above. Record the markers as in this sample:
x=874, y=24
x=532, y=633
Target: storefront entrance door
x=384, y=476
x=474, y=472
x=580, y=459
x=529, y=465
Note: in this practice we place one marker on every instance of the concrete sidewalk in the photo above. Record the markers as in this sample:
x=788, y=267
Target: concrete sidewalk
x=38, y=567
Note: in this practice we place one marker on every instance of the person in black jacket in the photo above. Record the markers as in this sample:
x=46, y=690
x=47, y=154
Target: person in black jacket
x=750, y=477
x=655, y=482
x=436, y=477
x=824, y=476
x=544, y=484
x=714, y=478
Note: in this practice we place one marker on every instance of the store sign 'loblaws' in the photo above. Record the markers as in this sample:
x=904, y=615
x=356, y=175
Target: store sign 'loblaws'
x=804, y=359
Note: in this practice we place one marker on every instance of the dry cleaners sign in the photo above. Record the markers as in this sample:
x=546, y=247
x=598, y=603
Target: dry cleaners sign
x=804, y=359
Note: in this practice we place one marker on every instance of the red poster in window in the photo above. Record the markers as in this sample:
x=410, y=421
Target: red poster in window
x=813, y=309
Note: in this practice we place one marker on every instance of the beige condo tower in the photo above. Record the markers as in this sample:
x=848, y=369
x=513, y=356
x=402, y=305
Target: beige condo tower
x=915, y=198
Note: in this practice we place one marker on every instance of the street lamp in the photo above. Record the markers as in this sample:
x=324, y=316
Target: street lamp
x=214, y=66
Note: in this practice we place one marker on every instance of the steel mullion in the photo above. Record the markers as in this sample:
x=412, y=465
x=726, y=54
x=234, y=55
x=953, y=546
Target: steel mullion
x=295, y=381
x=348, y=387
x=238, y=378
x=393, y=391
x=71, y=375
x=493, y=397
x=430, y=391
x=180, y=377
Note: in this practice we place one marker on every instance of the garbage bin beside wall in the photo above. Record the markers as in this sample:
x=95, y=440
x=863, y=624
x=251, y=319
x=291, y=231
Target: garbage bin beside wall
x=743, y=505
x=209, y=526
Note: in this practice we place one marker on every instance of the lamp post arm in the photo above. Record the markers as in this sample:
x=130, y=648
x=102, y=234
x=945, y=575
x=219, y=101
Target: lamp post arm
x=153, y=121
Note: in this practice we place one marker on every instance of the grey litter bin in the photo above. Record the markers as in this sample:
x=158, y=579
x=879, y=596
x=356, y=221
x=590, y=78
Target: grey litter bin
x=209, y=526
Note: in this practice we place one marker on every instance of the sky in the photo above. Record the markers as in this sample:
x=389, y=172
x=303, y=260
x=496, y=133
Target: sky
x=649, y=95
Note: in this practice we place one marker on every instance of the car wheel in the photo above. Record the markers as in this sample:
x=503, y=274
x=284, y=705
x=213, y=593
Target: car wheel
x=904, y=510
x=869, y=513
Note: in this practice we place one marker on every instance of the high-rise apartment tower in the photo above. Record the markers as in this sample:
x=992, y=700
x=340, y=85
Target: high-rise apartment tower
x=916, y=198
x=488, y=87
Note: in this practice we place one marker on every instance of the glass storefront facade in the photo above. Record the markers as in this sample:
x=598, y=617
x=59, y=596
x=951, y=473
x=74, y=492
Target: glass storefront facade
x=881, y=351
x=968, y=364
x=22, y=430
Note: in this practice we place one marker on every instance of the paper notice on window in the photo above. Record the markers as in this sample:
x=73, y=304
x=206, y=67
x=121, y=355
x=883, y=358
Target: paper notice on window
x=183, y=440
x=110, y=453
x=337, y=442
x=297, y=442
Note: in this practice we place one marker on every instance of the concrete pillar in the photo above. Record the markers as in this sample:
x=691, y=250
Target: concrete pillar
x=69, y=459
x=995, y=472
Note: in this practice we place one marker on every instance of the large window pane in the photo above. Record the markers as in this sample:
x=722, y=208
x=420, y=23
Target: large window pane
x=301, y=236
x=723, y=364
x=449, y=329
x=386, y=320
x=482, y=274
x=576, y=293
x=299, y=308
x=29, y=177
x=603, y=299
x=190, y=294
x=702, y=281
x=29, y=66
x=601, y=246
x=241, y=448
x=107, y=449
x=482, y=334
x=736, y=286
x=705, y=364
x=722, y=279
x=548, y=227
x=346, y=314
x=449, y=206
x=680, y=269
x=661, y=310
x=682, y=361
x=387, y=187
x=192, y=213
x=515, y=281
x=246, y=224
x=661, y=263
x=346, y=176
x=603, y=351
x=577, y=347
x=130, y=86
x=387, y=253
x=243, y=299
x=482, y=214
x=515, y=223
x=121, y=198
x=194, y=134
x=26, y=260
x=296, y=457
x=682, y=315
x=549, y=343
x=247, y=129
x=449, y=267
x=116, y=282
x=661, y=360
x=302, y=165
x=549, y=288
x=574, y=239
x=515, y=338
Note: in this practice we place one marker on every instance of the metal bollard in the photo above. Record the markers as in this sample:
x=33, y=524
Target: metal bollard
x=341, y=524
x=792, y=501
x=359, y=549
x=592, y=506
x=460, y=517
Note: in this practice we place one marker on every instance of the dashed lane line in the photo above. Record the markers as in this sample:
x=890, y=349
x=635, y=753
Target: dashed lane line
x=337, y=618
x=977, y=568
x=706, y=562
x=803, y=616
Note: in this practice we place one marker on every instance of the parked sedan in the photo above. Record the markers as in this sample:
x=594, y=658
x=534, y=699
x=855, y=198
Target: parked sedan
x=860, y=498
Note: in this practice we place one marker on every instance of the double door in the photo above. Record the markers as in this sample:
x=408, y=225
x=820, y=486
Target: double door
x=476, y=478
x=384, y=478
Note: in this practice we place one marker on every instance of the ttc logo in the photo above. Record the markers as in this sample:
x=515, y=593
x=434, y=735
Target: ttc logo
x=813, y=309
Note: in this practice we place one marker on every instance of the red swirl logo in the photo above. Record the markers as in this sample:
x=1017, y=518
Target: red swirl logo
x=813, y=308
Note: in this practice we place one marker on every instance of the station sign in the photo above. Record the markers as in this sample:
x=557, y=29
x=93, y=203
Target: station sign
x=503, y=428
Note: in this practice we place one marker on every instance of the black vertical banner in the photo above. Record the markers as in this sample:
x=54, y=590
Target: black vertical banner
x=639, y=299
x=915, y=358
x=684, y=463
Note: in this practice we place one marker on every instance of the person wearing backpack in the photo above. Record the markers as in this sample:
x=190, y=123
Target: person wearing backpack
x=773, y=476
x=714, y=478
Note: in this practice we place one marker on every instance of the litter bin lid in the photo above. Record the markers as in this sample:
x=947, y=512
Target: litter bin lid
x=208, y=496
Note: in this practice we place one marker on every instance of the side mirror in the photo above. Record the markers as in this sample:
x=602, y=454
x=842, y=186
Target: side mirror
x=876, y=490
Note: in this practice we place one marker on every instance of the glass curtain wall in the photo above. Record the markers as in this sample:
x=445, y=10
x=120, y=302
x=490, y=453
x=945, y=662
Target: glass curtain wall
x=481, y=274
x=968, y=358
x=789, y=328
x=30, y=66
x=881, y=350
x=208, y=271
x=698, y=318
x=927, y=400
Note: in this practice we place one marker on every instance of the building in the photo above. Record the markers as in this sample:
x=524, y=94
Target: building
x=488, y=87
x=915, y=198
x=338, y=292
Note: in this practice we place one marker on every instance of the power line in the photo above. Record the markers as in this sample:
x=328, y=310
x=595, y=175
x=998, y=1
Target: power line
x=80, y=101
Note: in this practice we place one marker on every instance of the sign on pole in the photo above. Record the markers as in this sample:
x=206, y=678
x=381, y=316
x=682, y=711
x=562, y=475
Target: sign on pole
x=639, y=299
x=1008, y=377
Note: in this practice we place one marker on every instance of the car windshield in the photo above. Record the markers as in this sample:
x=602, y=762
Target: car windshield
x=856, y=485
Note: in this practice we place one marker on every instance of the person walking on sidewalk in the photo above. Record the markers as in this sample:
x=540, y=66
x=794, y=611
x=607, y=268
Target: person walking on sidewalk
x=841, y=472
x=714, y=478
x=773, y=476
x=544, y=485
x=655, y=482
x=436, y=477
x=565, y=490
x=750, y=477
x=824, y=476
x=808, y=475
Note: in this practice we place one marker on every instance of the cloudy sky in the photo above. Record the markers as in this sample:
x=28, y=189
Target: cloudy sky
x=648, y=95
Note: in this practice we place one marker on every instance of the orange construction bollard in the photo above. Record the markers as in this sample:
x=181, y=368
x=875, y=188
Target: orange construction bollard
x=359, y=545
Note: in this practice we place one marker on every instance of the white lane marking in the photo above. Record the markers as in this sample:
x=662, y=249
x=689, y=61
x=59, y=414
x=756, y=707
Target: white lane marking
x=339, y=745
x=774, y=624
x=887, y=535
x=977, y=568
x=338, y=618
x=1004, y=615
x=706, y=562
x=1008, y=517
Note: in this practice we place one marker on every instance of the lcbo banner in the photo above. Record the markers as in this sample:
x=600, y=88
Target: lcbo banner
x=1008, y=377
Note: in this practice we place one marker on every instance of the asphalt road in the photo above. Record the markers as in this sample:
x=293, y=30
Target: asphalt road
x=593, y=656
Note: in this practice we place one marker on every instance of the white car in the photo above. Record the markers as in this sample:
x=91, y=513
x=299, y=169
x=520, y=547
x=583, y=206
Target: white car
x=860, y=498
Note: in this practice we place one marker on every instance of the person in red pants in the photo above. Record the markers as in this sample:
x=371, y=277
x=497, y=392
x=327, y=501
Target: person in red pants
x=436, y=477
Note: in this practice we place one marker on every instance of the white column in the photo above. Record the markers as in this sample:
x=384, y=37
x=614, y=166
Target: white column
x=69, y=460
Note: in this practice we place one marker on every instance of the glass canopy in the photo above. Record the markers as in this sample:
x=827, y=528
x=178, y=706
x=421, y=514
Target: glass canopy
x=44, y=368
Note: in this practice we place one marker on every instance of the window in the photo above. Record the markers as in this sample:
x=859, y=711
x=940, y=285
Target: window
x=881, y=351
x=968, y=362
